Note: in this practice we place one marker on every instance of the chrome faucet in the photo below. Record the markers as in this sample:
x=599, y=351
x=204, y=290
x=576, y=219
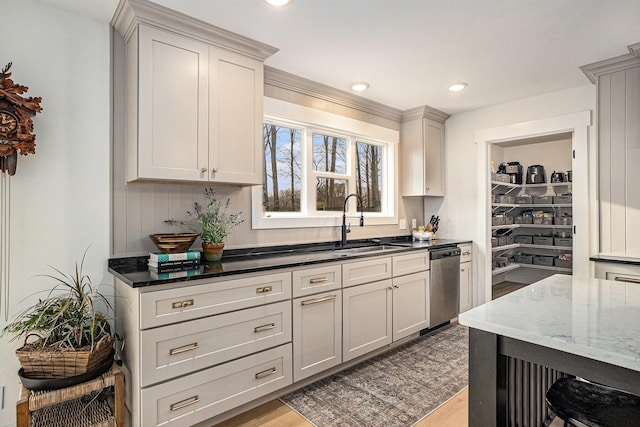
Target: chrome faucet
x=347, y=228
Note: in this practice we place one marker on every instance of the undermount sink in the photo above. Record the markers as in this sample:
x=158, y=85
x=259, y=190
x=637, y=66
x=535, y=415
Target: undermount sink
x=365, y=249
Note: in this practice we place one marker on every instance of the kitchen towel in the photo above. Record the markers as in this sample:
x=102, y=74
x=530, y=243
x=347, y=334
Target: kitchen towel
x=397, y=388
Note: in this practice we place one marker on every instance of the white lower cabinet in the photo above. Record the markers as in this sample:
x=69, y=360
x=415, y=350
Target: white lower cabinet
x=317, y=338
x=367, y=321
x=410, y=304
x=199, y=396
x=466, y=288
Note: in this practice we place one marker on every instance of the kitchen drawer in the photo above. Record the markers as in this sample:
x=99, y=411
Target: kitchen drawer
x=179, y=349
x=202, y=395
x=628, y=273
x=319, y=279
x=365, y=271
x=159, y=308
x=465, y=253
x=411, y=263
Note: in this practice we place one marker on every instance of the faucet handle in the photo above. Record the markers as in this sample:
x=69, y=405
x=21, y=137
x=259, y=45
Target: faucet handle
x=348, y=227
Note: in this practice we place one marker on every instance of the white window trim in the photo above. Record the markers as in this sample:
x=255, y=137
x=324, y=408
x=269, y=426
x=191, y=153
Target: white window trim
x=359, y=132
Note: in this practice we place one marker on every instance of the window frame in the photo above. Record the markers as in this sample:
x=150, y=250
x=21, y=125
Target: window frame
x=308, y=120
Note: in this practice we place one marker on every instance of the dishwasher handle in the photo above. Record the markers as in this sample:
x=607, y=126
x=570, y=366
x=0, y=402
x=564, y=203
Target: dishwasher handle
x=444, y=253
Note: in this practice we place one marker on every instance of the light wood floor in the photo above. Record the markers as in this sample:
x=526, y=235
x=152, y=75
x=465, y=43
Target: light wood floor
x=277, y=414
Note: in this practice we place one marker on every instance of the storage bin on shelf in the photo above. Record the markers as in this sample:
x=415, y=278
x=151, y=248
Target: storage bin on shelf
x=543, y=260
x=524, y=199
x=543, y=240
x=524, y=259
x=562, y=241
x=498, y=220
x=562, y=199
x=564, y=260
x=524, y=239
x=563, y=220
x=540, y=200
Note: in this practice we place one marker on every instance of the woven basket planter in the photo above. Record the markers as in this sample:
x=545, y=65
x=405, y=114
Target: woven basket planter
x=46, y=363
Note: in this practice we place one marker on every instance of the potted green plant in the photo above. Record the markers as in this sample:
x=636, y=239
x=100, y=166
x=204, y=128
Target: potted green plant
x=73, y=335
x=212, y=222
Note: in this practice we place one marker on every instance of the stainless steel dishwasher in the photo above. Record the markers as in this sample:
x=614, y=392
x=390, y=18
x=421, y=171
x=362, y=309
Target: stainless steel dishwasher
x=444, y=291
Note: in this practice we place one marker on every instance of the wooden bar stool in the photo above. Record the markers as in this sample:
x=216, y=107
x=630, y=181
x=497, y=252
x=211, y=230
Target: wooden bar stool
x=584, y=404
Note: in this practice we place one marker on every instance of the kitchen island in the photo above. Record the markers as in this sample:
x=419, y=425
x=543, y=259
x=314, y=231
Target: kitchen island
x=521, y=343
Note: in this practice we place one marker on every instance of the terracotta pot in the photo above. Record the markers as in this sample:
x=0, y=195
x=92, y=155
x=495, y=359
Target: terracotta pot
x=212, y=251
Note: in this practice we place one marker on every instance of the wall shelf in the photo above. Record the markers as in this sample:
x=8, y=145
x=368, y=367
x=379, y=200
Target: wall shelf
x=514, y=266
x=531, y=205
x=512, y=226
x=526, y=245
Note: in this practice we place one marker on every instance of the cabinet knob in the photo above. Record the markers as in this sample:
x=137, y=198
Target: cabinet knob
x=396, y=286
x=203, y=170
x=215, y=170
x=428, y=188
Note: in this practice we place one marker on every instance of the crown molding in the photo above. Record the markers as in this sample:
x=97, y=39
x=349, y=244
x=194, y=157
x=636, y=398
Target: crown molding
x=131, y=13
x=425, y=112
x=284, y=80
x=631, y=59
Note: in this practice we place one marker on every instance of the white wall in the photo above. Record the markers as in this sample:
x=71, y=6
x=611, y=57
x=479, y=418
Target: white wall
x=59, y=196
x=459, y=208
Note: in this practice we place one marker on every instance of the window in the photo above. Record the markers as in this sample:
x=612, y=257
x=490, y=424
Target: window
x=309, y=169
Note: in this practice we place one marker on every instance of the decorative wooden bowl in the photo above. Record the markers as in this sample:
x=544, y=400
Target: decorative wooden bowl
x=171, y=243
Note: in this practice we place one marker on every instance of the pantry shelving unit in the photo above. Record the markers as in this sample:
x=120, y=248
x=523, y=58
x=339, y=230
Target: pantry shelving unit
x=508, y=251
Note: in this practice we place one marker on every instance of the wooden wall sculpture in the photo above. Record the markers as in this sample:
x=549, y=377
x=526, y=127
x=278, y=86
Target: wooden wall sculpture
x=16, y=124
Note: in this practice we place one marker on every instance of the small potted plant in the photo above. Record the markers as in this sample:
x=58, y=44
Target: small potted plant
x=212, y=222
x=73, y=336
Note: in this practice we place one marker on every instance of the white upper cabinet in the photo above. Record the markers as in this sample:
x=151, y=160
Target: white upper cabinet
x=618, y=85
x=422, y=152
x=194, y=98
x=170, y=140
x=236, y=86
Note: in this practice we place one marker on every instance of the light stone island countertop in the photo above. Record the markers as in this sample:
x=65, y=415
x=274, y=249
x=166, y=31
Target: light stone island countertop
x=594, y=318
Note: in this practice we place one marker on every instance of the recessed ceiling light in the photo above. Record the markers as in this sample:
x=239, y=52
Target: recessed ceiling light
x=359, y=86
x=457, y=87
x=278, y=3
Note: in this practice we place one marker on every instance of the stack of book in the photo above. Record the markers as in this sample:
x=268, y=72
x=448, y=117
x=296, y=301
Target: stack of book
x=164, y=263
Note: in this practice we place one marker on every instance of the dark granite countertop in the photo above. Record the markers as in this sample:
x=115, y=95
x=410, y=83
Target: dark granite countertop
x=135, y=272
x=615, y=259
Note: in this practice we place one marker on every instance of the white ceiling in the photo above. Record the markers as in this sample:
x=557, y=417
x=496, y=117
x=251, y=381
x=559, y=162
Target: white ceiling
x=410, y=51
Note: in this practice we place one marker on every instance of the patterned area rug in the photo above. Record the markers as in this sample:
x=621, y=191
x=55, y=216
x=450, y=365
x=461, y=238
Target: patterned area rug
x=397, y=388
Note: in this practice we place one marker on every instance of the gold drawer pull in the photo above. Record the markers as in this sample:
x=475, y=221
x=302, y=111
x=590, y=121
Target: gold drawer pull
x=318, y=280
x=264, y=327
x=182, y=304
x=264, y=290
x=184, y=403
x=626, y=279
x=319, y=300
x=266, y=373
x=184, y=348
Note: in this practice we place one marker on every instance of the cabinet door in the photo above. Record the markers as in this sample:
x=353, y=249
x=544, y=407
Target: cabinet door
x=172, y=140
x=366, y=318
x=235, y=120
x=466, y=288
x=433, y=158
x=410, y=304
x=317, y=336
